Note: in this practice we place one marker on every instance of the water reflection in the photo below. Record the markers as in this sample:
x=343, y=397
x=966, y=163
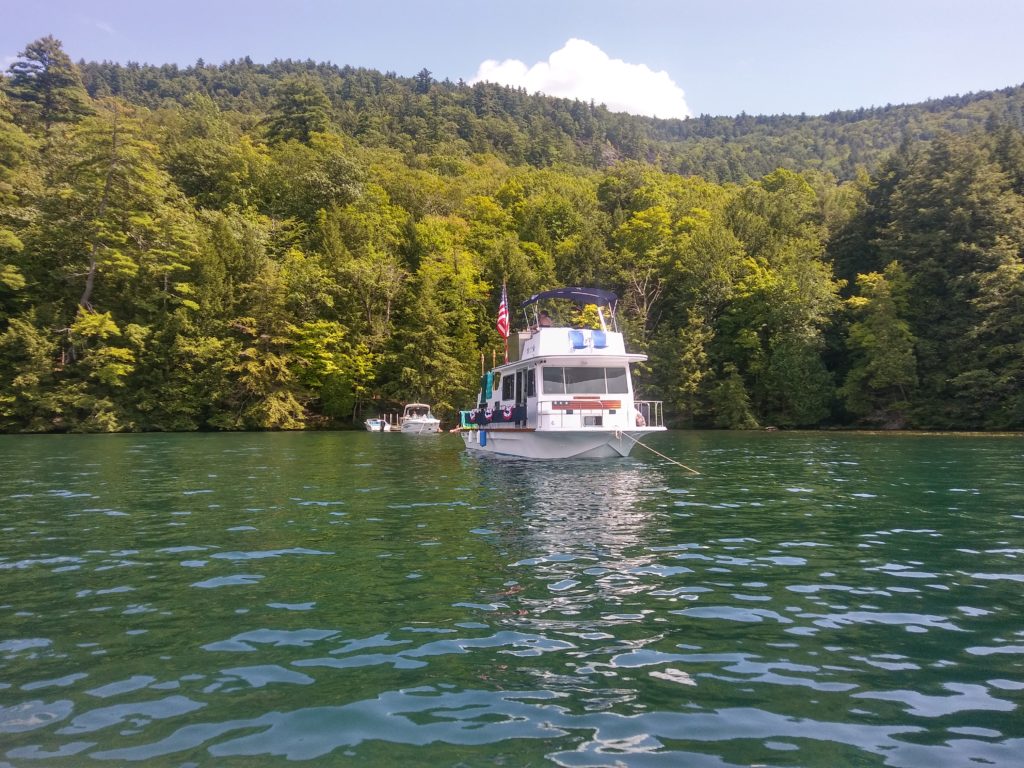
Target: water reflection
x=574, y=535
x=596, y=506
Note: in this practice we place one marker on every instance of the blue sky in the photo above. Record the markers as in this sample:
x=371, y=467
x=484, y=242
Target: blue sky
x=718, y=57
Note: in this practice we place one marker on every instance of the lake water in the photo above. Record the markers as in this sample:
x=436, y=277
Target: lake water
x=385, y=599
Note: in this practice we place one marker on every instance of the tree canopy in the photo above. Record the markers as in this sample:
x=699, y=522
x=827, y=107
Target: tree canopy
x=300, y=245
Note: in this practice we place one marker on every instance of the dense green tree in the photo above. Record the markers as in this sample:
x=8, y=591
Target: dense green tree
x=210, y=160
x=181, y=380
x=29, y=398
x=644, y=244
x=730, y=402
x=17, y=181
x=436, y=350
x=363, y=244
x=339, y=374
x=299, y=110
x=991, y=390
x=774, y=325
x=881, y=382
x=107, y=256
x=682, y=355
x=854, y=247
x=955, y=219
x=418, y=115
x=264, y=390
x=303, y=178
x=1009, y=153
x=46, y=87
x=118, y=225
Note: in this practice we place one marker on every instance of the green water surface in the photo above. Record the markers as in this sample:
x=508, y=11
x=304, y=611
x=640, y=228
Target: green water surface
x=386, y=599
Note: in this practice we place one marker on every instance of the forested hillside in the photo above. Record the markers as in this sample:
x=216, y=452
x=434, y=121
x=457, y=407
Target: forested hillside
x=295, y=245
x=423, y=116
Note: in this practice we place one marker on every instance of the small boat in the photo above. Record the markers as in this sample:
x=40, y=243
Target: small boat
x=417, y=419
x=566, y=392
x=377, y=425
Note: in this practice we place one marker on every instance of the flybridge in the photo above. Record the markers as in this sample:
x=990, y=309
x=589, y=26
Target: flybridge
x=574, y=342
x=603, y=301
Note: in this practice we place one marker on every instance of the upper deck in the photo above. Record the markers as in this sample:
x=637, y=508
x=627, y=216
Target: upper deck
x=559, y=342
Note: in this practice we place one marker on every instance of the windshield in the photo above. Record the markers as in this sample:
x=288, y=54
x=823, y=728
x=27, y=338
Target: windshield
x=560, y=380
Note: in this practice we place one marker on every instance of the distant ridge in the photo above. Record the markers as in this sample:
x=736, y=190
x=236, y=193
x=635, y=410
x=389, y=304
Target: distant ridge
x=421, y=115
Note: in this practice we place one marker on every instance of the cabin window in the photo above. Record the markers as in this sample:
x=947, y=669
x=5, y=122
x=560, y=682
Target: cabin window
x=531, y=382
x=508, y=387
x=618, y=382
x=554, y=382
x=585, y=381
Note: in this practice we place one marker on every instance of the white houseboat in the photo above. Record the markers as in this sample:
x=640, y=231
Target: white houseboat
x=565, y=391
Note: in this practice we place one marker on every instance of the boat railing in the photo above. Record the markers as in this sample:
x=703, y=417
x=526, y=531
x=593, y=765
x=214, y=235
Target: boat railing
x=651, y=411
x=560, y=414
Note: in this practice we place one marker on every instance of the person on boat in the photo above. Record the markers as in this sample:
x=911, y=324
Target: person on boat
x=543, y=320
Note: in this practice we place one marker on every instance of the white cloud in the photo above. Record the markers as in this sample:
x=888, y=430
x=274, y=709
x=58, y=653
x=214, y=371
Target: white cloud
x=102, y=26
x=581, y=70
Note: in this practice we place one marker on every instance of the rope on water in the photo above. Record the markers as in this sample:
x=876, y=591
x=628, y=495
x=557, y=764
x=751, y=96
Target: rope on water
x=666, y=458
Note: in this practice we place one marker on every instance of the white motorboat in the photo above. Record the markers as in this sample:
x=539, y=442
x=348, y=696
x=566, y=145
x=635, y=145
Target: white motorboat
x=417, y=419
x=566, y=392
x=377, y=425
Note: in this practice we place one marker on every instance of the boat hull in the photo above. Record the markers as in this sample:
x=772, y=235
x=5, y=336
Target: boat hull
x=555, y=444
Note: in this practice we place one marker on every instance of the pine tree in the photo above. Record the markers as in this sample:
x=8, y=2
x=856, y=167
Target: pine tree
x=300, y=109
x=954, y=220
x=881, y=382
x=46, y=86
x=16, y=182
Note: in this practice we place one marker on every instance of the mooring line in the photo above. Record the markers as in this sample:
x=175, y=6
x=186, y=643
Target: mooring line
x=666, y=458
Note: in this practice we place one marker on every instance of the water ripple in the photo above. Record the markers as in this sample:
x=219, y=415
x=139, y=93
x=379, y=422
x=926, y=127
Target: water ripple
x=808, y=600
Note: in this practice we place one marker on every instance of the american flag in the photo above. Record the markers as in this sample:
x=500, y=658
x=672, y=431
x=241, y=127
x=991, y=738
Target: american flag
x=503, y=329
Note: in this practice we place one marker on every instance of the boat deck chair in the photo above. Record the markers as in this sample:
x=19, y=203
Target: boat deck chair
x=599, y=339
x=577, y=340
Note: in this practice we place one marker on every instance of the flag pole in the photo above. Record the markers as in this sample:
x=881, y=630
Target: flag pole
x=503, y=317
